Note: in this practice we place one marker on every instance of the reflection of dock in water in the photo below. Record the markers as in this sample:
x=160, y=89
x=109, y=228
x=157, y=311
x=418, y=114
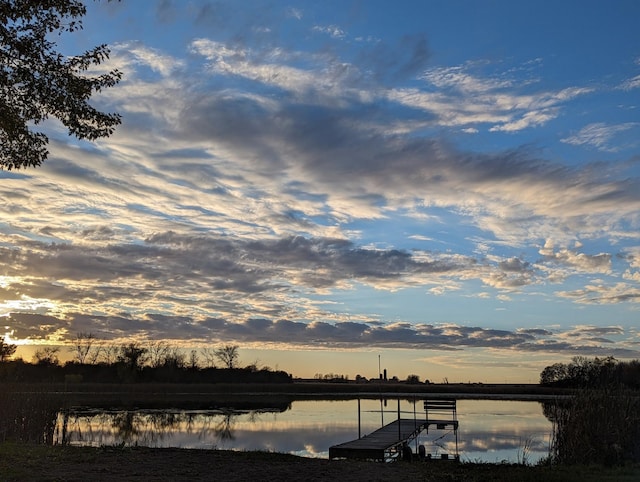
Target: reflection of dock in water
x=393, y=439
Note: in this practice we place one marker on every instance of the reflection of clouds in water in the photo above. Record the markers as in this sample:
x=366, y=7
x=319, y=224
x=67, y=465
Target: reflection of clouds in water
x=301, y=441
x=307, y=429
x=505, y=446
x=483, y=442
x=497, y=430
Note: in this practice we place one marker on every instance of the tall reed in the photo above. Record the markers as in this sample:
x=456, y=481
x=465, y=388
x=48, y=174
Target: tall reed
x=596, y=426
x=28, y=416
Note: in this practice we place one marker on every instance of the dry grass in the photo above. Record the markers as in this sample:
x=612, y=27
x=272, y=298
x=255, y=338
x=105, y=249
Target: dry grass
x=597, y=427
x=28, y=417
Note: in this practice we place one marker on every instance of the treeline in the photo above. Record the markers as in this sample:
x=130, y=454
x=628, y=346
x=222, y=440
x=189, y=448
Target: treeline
x=135, y=363
x=119, y=372
x=584, y=372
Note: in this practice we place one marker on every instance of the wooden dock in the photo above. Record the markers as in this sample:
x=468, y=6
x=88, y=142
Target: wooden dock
x=387, y=442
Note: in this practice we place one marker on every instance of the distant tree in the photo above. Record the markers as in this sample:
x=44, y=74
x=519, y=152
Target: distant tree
x=37, y=81
x=209, y=356
x=629, y=374
x=157, y=353
x=584, y=372
x=253, y=366
x=554, y=373
x=108, y=353
x=175, y=359
x=6, y=349
x=331, y=377
x=193, y=359
x=133, y=356
x=82, y=346
x=228, y=355
x=413, y=379
x=47, y=356
x=95, y=354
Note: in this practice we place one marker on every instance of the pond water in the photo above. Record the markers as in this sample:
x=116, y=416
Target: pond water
x=489, y=430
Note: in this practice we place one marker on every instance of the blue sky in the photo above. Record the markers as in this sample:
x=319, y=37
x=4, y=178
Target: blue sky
x=451, y=185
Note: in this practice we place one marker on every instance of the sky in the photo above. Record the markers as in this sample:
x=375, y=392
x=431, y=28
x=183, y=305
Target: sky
x=442, y=188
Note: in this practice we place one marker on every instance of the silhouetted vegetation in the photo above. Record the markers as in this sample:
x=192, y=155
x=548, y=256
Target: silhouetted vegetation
x=134, y=363
x=331, y=377
x=39, y=82
x=600, y=423
x=595, y=427
x=413, y=379
x=28, y=417
x=121, y=372
x=6, y=349
x=228, y=355
x=584, y=372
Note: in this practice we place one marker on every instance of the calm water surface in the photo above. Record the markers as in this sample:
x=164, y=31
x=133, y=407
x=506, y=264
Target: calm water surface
x=489, y=430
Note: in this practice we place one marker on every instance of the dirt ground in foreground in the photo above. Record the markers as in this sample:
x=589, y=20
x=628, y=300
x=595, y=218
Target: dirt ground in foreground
x=46, y=463
x=114, y=464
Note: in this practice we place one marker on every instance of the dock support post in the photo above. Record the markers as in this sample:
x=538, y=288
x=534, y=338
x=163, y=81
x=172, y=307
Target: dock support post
x=399, y=431
x=359, y=424
x=415, y=422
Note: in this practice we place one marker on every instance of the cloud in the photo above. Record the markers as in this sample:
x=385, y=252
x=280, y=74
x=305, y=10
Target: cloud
x=599, y=135
x=598, y=263
x=457, y=96
x=327, y=148
x=528, y=119
x=331, y=30
x=511, y=274
x=325, y=129
x=149, y=57
x=310, y=78
x=246, y=185
x=266, y=332
x=632, y=83
x=175, y=273
x=295, y=13
x=138, y=207
x=599, y=293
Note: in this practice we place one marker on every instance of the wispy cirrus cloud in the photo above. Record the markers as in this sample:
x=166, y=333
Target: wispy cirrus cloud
x=600, y=135
x=458, y=96
x=633, y=82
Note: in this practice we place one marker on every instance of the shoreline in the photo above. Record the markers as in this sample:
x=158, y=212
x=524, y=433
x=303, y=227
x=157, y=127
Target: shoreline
x=38, y=462
x=169, y=395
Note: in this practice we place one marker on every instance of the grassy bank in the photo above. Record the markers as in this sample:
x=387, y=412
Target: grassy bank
x=38, y=462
